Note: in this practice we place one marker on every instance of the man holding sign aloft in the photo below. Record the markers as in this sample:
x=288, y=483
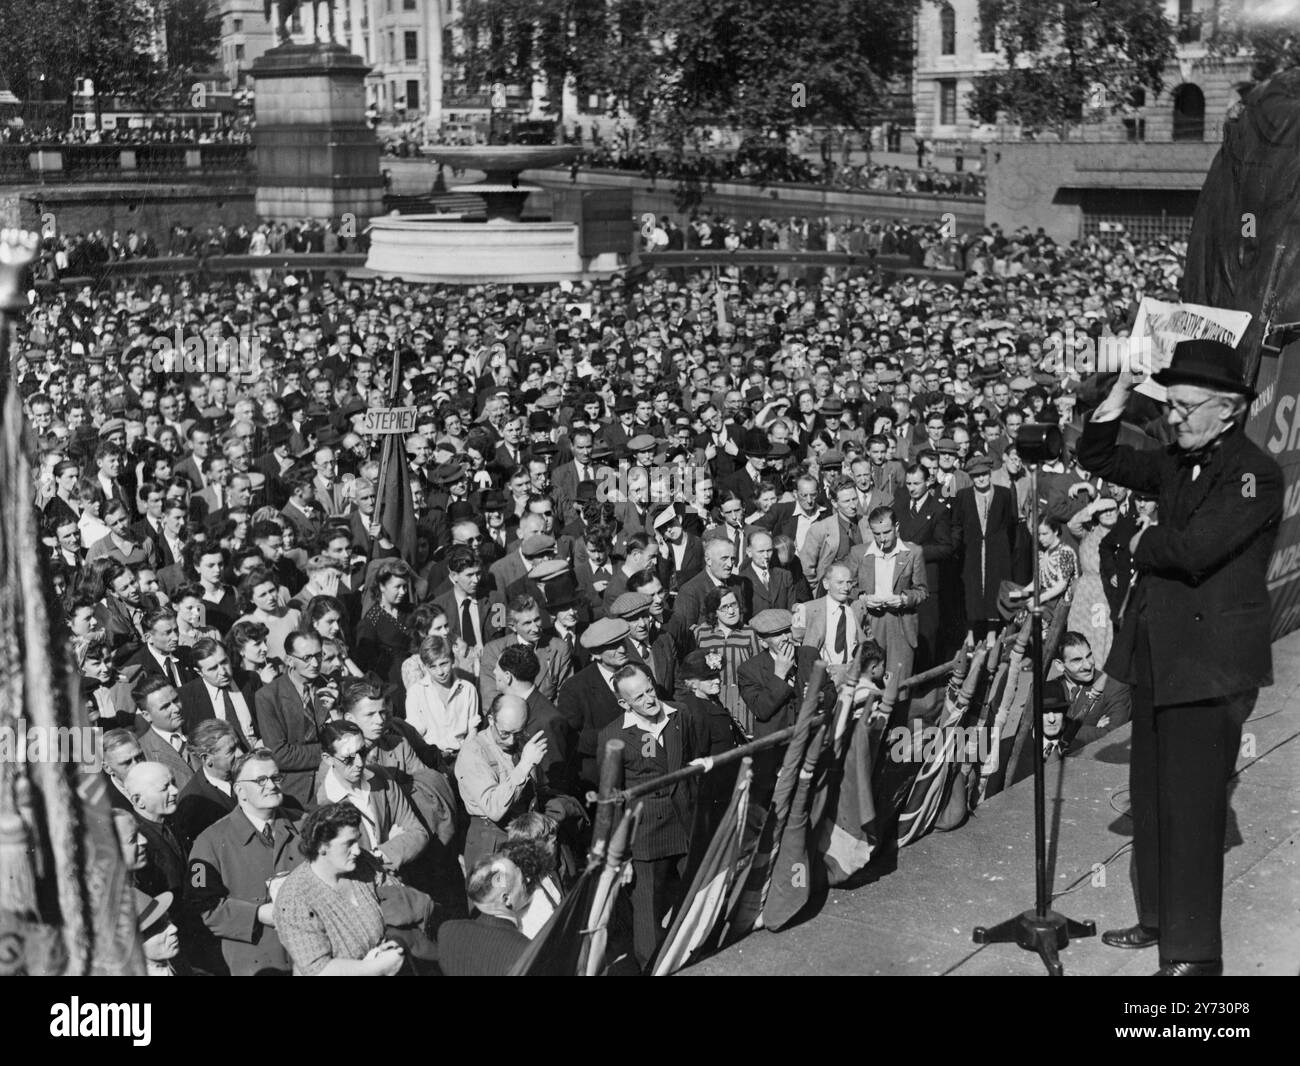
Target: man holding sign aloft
x=1193, y=640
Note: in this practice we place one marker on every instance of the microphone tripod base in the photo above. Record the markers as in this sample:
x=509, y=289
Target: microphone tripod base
x=1046, y=935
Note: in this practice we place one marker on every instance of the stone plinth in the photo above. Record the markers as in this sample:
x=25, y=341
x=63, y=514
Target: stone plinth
x=316, y=156
x=435, y=248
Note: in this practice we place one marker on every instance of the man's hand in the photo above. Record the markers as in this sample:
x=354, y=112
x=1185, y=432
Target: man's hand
x=784, y=663
x=534, y=751
x=730, y=447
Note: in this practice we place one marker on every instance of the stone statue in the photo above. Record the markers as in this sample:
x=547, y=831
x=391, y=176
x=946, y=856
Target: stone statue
x=285, y=10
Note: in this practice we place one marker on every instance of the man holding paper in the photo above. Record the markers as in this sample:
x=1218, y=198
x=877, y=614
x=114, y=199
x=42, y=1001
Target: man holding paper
x=1193, y=641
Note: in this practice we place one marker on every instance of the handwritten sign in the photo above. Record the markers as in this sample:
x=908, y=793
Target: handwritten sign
x=381, y=420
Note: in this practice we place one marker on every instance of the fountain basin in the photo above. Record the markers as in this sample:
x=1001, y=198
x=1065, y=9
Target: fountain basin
x=442, y=248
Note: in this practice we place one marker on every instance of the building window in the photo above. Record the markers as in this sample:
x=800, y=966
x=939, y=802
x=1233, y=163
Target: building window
x=237, y=25
x=1189, y=113
x=988, y=36
x=1189, y=22
x=411, y=44
x=239, y=51
x=947, y=31
x=392, y=48
x=948, y=102
x=408, y=5
x=413, y=96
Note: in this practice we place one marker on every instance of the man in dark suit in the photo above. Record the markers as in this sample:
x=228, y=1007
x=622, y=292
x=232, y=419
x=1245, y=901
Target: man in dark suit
x=471, y=617
x=1194, y=641
x=772, y=684
x=923, y=520
x=209, y=796
x=213, y=695
x=153, y=793
x=289, y=720
x=161, y=656
x=766, y=587
x=519, y=670
x=984, y=523
x=489, y=945
x=718, y=572
x=587, y=699
x=657, y=739
x=656, y=651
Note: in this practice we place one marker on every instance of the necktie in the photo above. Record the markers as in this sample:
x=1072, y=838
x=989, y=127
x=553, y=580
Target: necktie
x=268, y=838
x=171, y=671
x=232, y=715
x=178, y=742
x=842, y=634
x=467, y=623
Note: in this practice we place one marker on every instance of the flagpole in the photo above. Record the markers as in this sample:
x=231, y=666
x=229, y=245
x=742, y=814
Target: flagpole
x=704, y=766
x=386, y=452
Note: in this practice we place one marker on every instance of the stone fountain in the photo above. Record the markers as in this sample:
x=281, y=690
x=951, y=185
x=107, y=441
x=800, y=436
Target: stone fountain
x=502, y=248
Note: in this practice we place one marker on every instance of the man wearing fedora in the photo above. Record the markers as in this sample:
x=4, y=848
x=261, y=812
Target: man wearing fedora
x=1194, y=640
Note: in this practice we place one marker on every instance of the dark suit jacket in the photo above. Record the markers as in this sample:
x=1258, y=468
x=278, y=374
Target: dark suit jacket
x=489, y=620
x=292, y=733
x=1202, y=593
x=993, y=549
x=543, y=717
x=588, y=704
x=692, y=563
x=774, y=703
x=200, y=805
x=778, y=593
x=197, y=706
x=165, y=851
x=149, y=667
x=930, y=529
x=664, y=829
x=485, y=947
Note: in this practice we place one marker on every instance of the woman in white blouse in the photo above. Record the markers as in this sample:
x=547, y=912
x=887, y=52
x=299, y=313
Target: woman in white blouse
x=442, y=703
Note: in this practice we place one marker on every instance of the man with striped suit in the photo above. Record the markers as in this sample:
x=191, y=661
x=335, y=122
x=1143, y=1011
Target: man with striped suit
x=658, y=738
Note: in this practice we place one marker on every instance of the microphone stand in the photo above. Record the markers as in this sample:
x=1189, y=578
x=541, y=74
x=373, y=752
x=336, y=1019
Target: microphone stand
x=1042, y=929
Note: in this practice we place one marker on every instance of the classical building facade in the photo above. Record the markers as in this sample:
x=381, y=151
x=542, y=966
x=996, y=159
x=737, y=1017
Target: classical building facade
x=953, y=49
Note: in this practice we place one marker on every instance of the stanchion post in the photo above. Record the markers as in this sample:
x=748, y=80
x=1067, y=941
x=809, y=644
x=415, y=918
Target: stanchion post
x=611, y=781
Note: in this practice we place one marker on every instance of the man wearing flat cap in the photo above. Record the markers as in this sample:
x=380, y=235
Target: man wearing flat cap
x=1193, y=641
x=587, y=700
x=984, y=521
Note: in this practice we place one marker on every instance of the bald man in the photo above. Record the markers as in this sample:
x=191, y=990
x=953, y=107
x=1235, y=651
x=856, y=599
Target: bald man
x=153, y=792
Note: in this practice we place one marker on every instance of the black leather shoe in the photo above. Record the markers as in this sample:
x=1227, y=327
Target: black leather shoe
x=1135, y=936
x=1191, y=969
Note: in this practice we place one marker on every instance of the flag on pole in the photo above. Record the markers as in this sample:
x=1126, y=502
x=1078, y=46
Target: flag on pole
x=396, y=507
x=754, y=872
x=847, y=837
x=619, y=854
x=929, y=791
x=703, y=905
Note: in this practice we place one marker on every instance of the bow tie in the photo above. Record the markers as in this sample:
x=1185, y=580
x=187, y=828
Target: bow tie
x=1200, y=457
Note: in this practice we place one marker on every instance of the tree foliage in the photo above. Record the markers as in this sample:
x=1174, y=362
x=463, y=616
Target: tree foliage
x=1268, y=33
x=677, y=65
x=1064, y=57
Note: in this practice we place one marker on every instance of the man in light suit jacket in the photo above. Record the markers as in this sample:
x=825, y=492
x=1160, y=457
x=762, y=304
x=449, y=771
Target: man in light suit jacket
x=834, y=624
x=891, y=613
x=163, y=741
x=553, y=655
x=832, y=538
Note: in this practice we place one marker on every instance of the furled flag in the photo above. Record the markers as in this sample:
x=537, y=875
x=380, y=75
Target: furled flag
x=930, y=789
x=703, y=905
x=396, y=508
x=592, y=958
x=754, y=871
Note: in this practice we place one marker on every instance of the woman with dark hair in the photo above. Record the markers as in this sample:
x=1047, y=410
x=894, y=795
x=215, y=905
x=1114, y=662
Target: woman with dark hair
x=383, y=637
x=722, y=631
x=65, y=502
x=430, y=620
x=252, y=666
x=1057, y=568
x=327, y=910
x=90, y=499
x=531, y=844
x=259, y=601
x=191, y=615
x=323, y=615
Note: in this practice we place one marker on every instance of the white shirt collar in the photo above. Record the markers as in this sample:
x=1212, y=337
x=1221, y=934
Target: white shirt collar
x=631, y=719
x=336, y=791
x=220, y=786
x=874, y=549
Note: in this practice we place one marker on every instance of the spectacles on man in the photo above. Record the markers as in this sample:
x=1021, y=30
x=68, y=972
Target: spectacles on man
x=1184, y=411
x=357, y=757
x=314, y=657
x=276, y=779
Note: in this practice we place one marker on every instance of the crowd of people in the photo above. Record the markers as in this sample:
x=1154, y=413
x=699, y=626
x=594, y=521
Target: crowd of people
x=224, y=133
x=635, y=518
